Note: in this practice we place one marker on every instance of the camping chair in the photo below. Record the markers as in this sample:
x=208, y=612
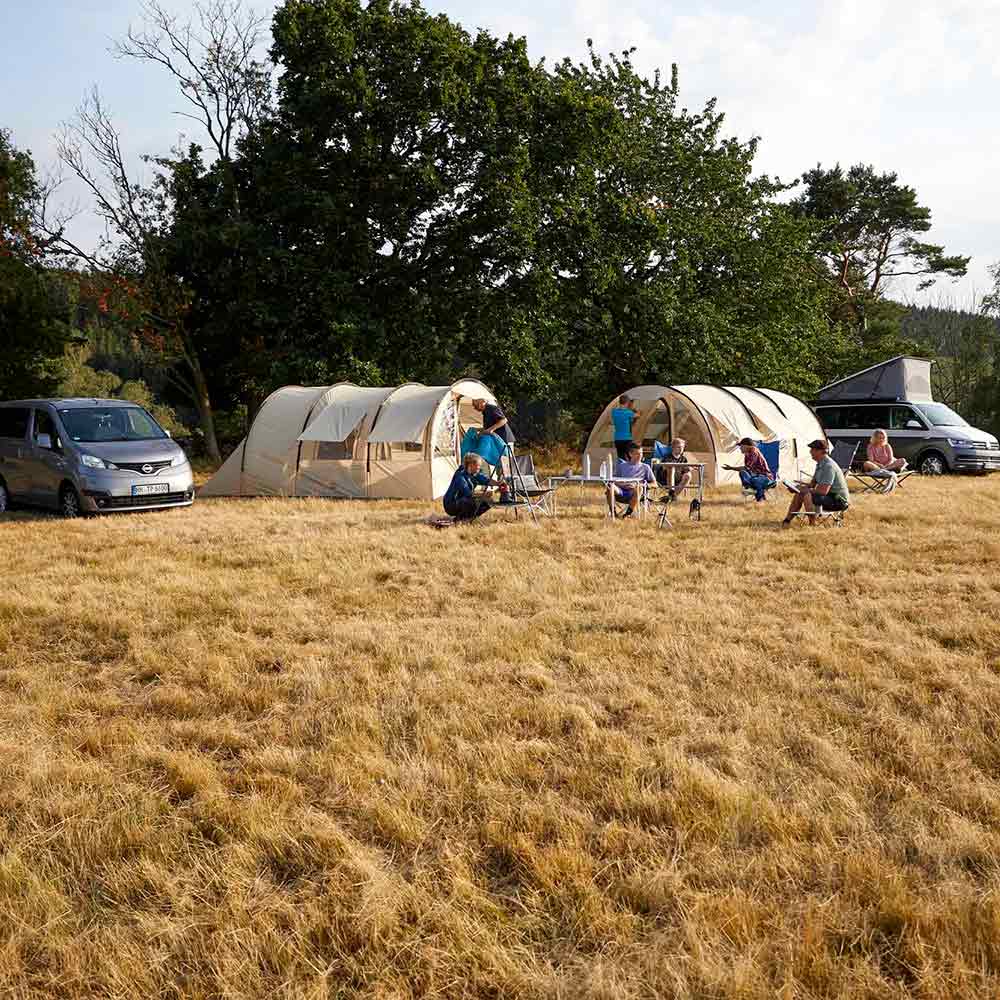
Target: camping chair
x=879, y=482
x=771, y=450
x=621, y=504
x=843, y=454
x=663, y=453
x=524, y=486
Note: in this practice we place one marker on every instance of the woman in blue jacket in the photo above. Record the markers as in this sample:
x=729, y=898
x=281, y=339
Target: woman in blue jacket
x=459, y=499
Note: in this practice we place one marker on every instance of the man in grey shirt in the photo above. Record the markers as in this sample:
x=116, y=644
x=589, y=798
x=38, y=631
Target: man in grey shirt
x=827, y=491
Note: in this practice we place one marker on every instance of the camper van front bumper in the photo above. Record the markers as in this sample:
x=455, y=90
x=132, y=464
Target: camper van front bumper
x=977, y=459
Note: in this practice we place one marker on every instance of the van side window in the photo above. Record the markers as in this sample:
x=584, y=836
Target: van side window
x=869, y=417
x=44, y=424
x=900, y=416
x=832, y=417
x=13, y=422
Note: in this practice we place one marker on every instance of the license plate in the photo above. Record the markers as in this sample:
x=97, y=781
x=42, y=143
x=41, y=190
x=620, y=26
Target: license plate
x=141, y=491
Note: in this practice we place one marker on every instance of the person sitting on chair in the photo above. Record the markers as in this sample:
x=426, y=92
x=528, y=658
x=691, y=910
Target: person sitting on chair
x=881, y=461
x=826, y=491
x=677, y=475
x=630, y=467
x=460, y=500
x=754, y=473
x=623, y=416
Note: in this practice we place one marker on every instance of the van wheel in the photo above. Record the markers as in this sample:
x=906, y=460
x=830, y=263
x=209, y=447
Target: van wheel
x=4, y=497
x=932, y=464
x=69, y=502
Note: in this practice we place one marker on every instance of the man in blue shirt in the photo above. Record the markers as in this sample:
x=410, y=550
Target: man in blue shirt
x=630, y=467
x=623, y=416
x=460, y=500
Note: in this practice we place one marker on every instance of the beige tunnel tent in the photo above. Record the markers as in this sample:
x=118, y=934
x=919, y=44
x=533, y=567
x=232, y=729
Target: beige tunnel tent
x=352, y=441
x=712, y=419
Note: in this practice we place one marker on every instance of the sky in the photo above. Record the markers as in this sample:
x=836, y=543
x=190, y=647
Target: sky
x=905, y=85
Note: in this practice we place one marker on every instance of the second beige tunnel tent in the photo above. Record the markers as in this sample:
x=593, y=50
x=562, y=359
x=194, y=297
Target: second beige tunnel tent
x=712, y=419
x=394, y=442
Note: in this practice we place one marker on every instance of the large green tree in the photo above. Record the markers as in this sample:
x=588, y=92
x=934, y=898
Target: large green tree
x=390, y=189
x=871, y=229
x=34, y=306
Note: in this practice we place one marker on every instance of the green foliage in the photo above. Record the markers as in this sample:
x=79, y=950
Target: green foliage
x=34, y=309
x=871, y=228
x=79, y=378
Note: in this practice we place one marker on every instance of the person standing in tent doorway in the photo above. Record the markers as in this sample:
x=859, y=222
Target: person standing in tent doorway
x=754, y=473
x=494, y=420
x=623, y=416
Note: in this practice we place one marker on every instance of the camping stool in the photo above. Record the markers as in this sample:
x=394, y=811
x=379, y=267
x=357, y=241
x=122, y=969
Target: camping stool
x=826, y=518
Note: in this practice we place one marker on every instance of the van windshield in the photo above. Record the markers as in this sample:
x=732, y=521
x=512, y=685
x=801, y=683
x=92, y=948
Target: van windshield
x=116, y=423
x=940, y=415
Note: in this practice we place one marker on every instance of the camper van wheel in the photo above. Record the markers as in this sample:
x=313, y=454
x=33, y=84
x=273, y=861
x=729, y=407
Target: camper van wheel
x=932, y=464
x=4, y=497
x=69, y=502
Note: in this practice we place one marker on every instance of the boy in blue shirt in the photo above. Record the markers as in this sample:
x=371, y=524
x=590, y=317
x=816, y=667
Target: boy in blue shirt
x=623, y=416
x=630, y=467
x=460, y=500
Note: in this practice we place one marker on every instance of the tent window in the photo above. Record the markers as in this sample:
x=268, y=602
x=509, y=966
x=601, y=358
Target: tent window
x=689, y=426
x=657, y=427
x=446, y=440
x=336, y=451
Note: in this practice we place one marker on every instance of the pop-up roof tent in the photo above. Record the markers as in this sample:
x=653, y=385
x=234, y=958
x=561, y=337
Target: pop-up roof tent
x=898, y=378
x=712, y=419
x=352, y=441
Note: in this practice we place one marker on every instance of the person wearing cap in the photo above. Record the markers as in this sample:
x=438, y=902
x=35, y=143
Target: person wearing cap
x=826, y=491
x=754, y=473
x=623, y=416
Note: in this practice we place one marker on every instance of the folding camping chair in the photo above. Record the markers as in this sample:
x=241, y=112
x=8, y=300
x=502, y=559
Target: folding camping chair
x=664, y=453
x=881, y=481
x=494, y=452
x=524, y=486
x=843, y=454
x=771, y=450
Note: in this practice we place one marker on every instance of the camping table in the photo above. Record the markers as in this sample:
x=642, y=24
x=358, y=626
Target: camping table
x=700, y=487
x=600, y=481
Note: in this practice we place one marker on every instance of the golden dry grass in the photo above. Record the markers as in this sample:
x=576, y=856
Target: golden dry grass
x=314, y=749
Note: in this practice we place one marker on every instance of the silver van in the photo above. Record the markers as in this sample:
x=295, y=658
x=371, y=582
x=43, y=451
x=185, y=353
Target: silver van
x=932, y=437
x=88, y=456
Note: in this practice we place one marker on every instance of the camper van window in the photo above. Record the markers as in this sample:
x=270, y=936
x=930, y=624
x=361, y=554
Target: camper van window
x=900, y=416
x=117, y=423
x=832, y=417
x=940, y=415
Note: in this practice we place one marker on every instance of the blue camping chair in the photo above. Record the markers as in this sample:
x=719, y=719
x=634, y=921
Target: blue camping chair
x=771, y=450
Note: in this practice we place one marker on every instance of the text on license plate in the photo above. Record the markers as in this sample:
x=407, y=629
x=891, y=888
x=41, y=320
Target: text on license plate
x=140, y=491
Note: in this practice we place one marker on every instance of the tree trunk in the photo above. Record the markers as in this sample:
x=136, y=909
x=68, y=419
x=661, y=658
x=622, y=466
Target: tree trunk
x=204, y=404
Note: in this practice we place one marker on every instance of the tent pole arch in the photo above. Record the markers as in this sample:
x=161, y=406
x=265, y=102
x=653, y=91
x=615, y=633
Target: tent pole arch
x=305, y=424
x=270, y=396
x=746, y=408
x=708, y=428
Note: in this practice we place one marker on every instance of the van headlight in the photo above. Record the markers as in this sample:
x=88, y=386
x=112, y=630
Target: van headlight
x=178, y=460
x=93, y=462
x=964, y=443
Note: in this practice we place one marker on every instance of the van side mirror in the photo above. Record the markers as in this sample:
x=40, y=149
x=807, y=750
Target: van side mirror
x=914, y=425
x=44, y=441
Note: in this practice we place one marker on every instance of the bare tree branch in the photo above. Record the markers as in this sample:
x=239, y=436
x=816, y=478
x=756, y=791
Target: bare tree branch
x=214, y=60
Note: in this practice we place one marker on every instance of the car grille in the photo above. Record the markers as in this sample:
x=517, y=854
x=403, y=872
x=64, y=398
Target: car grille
x=138, y=467
x=150, y=500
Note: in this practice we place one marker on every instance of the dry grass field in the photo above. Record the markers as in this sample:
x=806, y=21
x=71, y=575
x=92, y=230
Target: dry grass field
x=308, y=749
